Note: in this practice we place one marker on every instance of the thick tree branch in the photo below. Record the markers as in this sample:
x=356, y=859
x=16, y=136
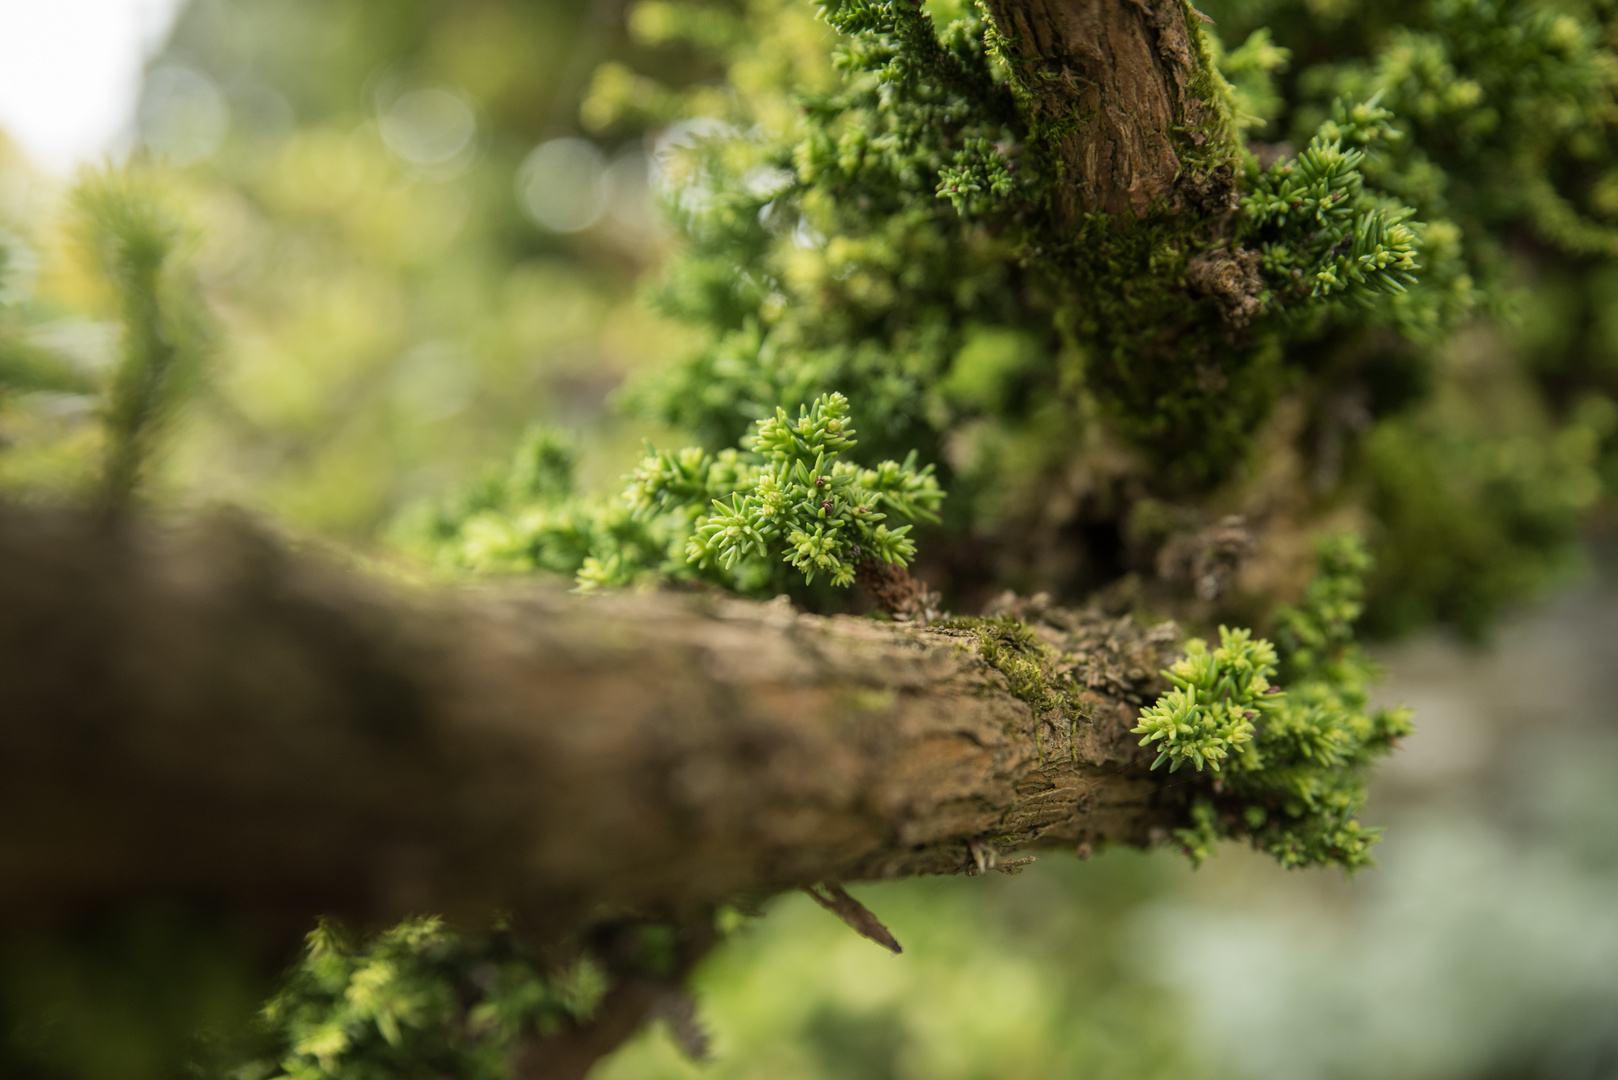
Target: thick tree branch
x=207, y=715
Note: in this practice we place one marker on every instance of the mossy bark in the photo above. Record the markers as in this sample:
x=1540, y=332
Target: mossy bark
x=1124, y=100
x=207, y=716
x=1130, y=123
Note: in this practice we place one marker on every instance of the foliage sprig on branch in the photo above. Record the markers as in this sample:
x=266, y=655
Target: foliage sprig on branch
x=1322, y=232
x=731, y=518
x=1290, y=763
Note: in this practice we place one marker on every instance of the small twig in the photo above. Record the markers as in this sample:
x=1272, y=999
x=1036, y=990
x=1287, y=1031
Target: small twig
x=855, y=914
x=678, y=1010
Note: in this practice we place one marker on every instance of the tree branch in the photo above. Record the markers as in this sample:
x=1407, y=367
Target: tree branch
x=207, y=715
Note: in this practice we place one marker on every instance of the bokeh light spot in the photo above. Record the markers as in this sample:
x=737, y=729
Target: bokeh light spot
x=429, y=127
x=183, y=117
x=562, y=185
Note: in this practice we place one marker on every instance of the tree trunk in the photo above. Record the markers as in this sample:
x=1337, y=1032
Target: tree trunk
x=1117, y=92
x=208, y=716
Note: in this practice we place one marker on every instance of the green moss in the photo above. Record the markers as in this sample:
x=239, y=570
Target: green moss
x=1014, y=649
x=1213, y=144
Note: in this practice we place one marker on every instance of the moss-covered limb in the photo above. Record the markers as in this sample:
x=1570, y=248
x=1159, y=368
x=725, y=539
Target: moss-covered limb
x=602, y=769
x=1281, y=766
x=1152, y=282
x=548, y=755
x=1064, y=664
x=1217, y=315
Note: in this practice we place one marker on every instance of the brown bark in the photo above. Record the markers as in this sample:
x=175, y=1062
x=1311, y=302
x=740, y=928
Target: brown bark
x=892, y=589
x=207, y=715
x=1111, y=90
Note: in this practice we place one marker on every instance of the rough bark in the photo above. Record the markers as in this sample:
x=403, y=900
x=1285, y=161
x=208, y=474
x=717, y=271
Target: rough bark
x=1112, y=87
x=208, y=715
x=893, y=590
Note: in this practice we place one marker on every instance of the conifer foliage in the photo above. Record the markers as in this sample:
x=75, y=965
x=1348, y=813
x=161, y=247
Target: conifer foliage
x=732, y=518
x=1291, y=760
x=417, y=1000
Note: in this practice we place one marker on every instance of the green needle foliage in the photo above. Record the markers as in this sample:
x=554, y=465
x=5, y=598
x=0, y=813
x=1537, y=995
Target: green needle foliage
x=827, y=512
x=417, y=1001
x=135, y=239
x=1216, y=699
x=856, y=238
x=787, y=498
x=1290, y=763
x=1321, y=232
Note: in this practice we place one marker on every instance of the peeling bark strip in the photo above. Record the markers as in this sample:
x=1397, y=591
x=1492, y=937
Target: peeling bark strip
x=1111, y=90
x=207, y=716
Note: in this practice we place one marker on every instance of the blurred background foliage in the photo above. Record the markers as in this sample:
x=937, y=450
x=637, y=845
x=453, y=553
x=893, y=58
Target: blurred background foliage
x=395, y=314
x=423, y=226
